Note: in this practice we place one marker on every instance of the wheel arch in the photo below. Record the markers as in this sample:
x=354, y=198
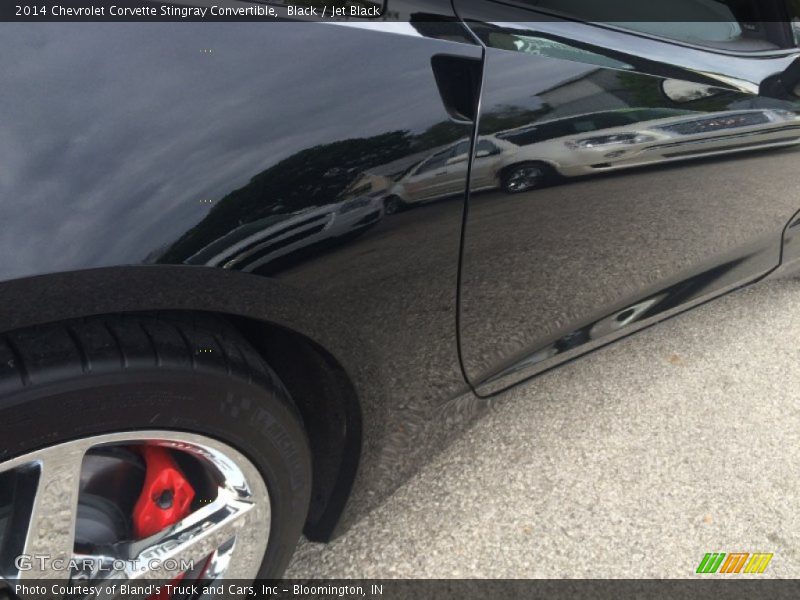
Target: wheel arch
x=312, y=353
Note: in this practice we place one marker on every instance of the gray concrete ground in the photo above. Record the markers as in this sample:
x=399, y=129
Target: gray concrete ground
x=633, y=461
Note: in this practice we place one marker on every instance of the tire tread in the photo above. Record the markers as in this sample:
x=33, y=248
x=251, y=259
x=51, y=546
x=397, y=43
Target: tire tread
x=108, y=343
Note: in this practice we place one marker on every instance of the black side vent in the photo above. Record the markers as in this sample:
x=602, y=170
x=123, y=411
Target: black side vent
x=459, y=82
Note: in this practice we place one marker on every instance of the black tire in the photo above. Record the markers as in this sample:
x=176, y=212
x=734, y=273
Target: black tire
x=108, y=374
x=525, y=176
x=393, y=205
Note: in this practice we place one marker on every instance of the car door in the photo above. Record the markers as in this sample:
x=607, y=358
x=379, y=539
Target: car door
x=484, y=171
x=455, y=170
x=428, y=181
x=672, y=183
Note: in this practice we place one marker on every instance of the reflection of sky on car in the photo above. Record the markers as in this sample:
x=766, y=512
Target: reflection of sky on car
x=64, y=182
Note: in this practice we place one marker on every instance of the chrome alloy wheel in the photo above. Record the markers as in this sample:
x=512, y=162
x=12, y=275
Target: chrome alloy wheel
x=524, y=178
x=49, y=527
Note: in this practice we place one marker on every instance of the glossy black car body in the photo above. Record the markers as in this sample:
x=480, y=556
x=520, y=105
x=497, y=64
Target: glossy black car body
x=244, y=169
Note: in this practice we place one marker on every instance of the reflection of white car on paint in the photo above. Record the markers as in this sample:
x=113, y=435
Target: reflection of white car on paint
x=523, y=158
x=443, y=173
x=256, y=244
x=620, y=139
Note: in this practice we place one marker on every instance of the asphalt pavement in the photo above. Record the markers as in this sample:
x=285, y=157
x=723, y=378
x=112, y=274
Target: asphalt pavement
x=633, y=461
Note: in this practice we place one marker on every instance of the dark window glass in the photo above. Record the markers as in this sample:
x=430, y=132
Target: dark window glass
x=461, y=148
x=740, y=25
x=434, y=162
x=487, y=146
x=555, y=129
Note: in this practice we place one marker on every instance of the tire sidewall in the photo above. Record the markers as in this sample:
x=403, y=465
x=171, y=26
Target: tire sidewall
x=254, y=418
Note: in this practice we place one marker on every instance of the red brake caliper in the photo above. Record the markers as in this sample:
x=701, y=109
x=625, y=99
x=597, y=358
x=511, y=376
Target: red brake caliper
x=165, y=499
x=166, y=494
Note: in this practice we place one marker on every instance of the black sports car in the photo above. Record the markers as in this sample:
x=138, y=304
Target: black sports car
x=255, y=273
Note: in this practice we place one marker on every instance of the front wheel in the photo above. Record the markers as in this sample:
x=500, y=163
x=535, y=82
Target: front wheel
x=148, y=448
x=393, y=205
x=524, y=177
